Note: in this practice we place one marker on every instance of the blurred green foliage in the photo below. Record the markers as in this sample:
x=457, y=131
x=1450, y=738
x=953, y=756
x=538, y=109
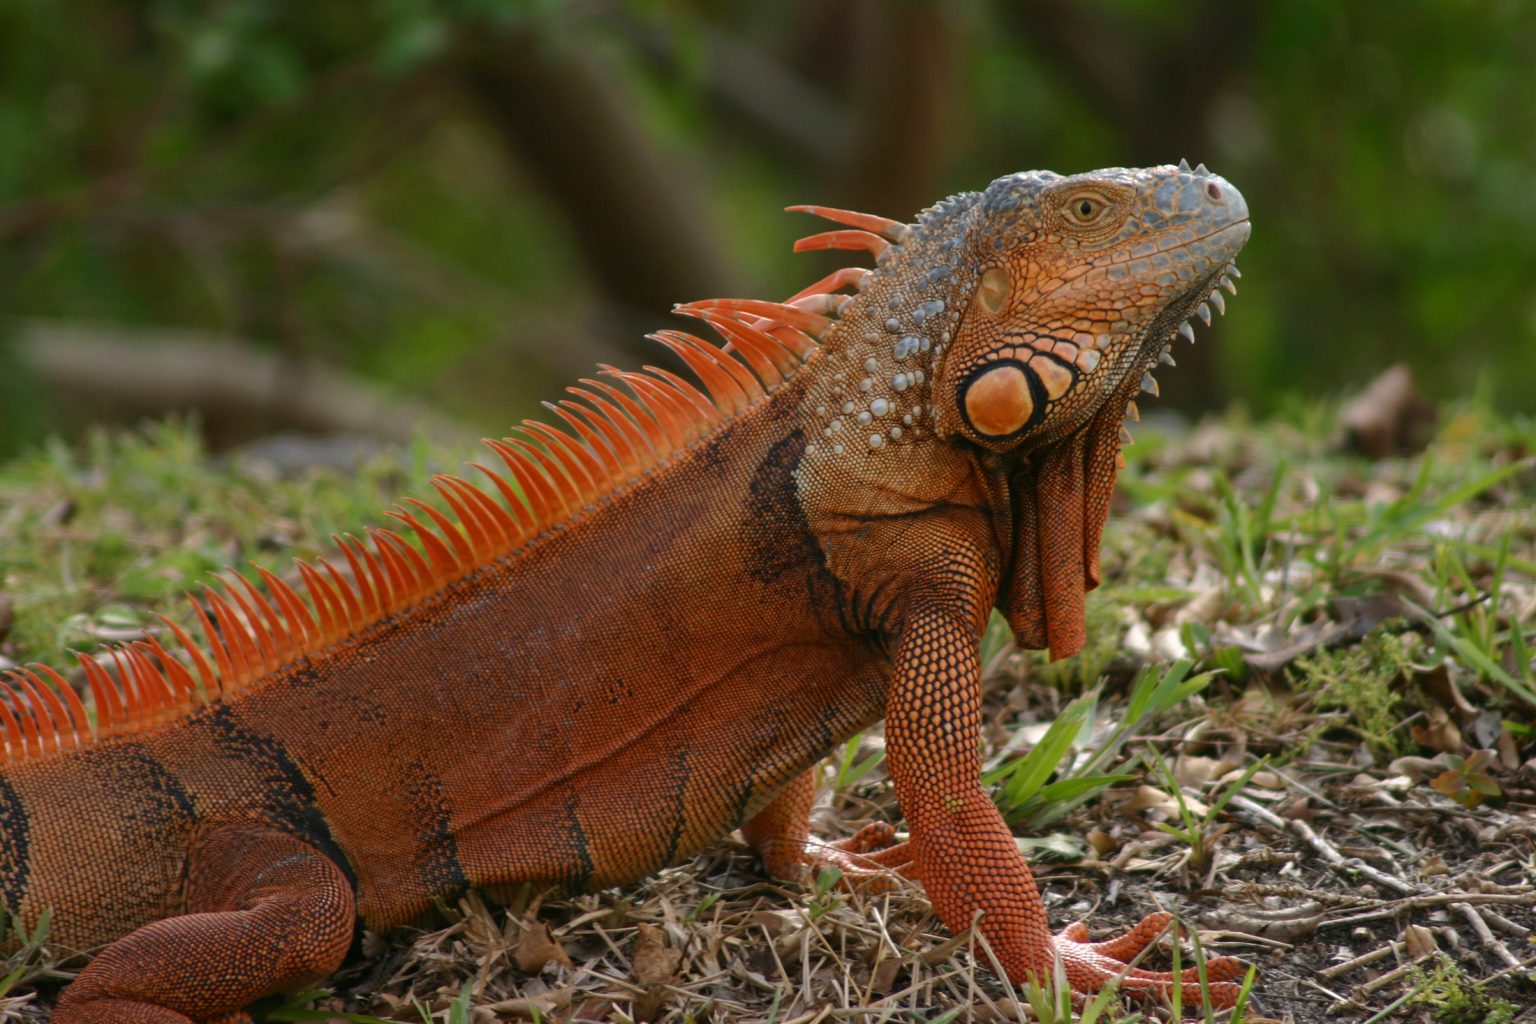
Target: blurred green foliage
x=471, y=201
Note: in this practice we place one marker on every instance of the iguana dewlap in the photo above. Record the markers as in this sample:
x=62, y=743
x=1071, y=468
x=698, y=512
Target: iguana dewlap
x=644, y=628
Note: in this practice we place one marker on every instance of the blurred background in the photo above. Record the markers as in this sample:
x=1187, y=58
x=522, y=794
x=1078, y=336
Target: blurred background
x=376, y=218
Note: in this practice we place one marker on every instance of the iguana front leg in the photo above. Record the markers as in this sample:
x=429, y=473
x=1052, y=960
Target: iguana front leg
x=268, y=914
x=963, y=851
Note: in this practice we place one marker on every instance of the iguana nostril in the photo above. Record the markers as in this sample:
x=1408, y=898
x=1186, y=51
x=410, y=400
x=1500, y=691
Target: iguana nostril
x=1213, y=190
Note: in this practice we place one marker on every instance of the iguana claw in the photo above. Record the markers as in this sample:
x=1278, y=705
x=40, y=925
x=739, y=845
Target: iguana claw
x=1090, y=966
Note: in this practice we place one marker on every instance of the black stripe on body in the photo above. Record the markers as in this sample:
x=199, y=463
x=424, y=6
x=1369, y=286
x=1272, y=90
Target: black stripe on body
x=15, y=848
x=576, y=840
x=738, y=799
x=286, y=797
x=439, y=870
x=782, y=551
x=678, y=766
x=159, y=798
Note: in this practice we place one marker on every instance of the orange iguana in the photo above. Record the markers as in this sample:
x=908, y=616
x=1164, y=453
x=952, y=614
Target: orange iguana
x=646, y=627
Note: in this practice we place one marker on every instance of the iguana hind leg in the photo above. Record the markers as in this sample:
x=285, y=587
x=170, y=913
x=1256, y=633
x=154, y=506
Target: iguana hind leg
x=780, y=833
x=267, y=913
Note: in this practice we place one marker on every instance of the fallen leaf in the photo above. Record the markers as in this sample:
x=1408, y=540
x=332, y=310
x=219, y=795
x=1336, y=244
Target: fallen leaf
x=1150, y=798
x=883, y=978
x=1203, y=607
x=1389, y=417
x=655, y=963
x=1197, y=772
x=1102, y=842
x=1438, y=732
x=1433, y=866
x=1416, y=769
x=1419, y=940
x=538, y=948
x=545, y=1004
x=1261, y=779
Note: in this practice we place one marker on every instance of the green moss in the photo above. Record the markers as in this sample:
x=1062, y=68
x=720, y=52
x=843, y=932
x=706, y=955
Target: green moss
x=1453, y=998
x=1361, y=681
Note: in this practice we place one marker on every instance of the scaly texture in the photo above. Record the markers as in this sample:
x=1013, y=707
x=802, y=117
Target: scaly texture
x=648, y=626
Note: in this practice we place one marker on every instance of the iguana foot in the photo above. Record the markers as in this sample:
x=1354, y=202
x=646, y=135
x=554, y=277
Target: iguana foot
x=1092, y=965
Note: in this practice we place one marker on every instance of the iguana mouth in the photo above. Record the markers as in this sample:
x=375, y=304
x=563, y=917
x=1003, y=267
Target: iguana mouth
x=1174, y=322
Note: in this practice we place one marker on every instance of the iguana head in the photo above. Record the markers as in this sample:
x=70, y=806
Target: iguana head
x=1077, y=285
x=1074, y=290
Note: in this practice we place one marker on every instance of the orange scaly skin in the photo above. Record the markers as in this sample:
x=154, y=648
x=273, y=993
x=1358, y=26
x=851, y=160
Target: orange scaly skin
x=647, y=629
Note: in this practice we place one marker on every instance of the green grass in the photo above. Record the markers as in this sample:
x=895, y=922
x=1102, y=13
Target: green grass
x=1291, y=535
x=1031, y=791
x=1197, y=828
x=28, y=960
x=95, y=536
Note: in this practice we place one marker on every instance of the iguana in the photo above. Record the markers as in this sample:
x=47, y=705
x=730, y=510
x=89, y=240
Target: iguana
x=646, y=627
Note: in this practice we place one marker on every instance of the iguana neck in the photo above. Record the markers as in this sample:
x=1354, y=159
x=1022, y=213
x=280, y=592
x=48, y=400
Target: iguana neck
x=868, y=398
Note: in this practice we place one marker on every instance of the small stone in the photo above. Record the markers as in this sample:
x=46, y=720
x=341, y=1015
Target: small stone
x=871, y=365
x=847, y=408
x=864, y=419
x=879, y=407
x=893, y=324
x=895, y=433
x=899, y=382
x=866, y=384
x=875, y=440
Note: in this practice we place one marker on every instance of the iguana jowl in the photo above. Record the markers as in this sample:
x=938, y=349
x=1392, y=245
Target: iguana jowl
x=647, y=627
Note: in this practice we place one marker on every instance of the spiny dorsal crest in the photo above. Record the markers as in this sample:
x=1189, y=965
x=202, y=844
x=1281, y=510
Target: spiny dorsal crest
x=618, y=427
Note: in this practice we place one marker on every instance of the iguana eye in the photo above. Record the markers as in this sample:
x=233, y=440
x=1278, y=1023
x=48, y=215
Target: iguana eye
x=1086, y=207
